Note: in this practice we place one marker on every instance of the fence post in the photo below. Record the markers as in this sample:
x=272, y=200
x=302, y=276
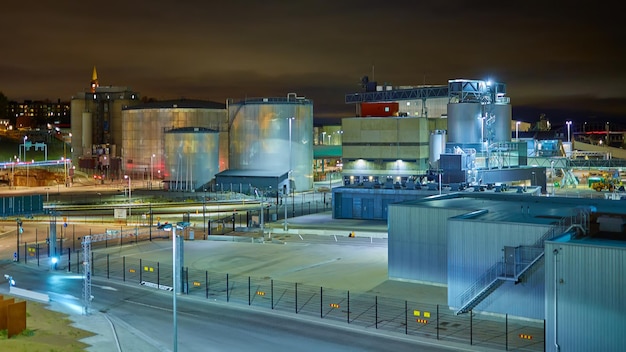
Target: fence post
x=348, y=306
x=406, y=318
x=321, y=302
x=206, y=281
x=272, y=291
x=37, y=252
x=471, y=328
x=140, y=271
x=69, y=260
x=376, y=317
x=296, y=294
x=159, y=274
x=506, y=331
x=227, y=292
x=437, y=322
x=124, y=268
x=249, y=301
x=107, y=265
x=93, y=268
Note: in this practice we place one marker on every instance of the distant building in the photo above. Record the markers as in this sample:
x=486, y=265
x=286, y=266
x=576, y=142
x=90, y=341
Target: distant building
x=31, y=114
x=96, y=122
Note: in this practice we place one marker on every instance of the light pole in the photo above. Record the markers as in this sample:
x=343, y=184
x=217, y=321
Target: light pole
x=289, y=172
x=129, y=194
x=517, y=130
x=151, y=170
x=25, y=161
x=174, y=279
x=65, y=159
x=25, y=138
x=569, y=123
x=482, y=132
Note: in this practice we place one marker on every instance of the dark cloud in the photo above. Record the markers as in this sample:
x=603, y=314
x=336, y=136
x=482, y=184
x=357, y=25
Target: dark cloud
x=549, y=55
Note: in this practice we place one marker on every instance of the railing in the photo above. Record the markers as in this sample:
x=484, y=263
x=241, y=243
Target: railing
x=370, y=311
x=529, y=255
x=480, y=286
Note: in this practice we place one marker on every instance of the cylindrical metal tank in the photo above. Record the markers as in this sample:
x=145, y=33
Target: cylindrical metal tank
x=465, y=123
x=437, y=145
x=502, y=124
x=191, y=157
x=86, y=133
x=273, y=134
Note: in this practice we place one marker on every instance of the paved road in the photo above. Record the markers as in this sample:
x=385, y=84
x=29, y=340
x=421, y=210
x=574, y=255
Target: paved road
x=142, y=319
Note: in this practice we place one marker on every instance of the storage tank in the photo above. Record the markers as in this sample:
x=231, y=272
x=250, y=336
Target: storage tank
x=464, y=123
x=191, y=157
x=437, y=145
x=86, y=132
x=263, y=138
x=502, y=124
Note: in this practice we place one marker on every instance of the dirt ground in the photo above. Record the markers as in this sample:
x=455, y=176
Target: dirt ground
x=46, y=331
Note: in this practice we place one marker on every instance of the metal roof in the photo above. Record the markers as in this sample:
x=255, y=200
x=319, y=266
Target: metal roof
x=507, y=207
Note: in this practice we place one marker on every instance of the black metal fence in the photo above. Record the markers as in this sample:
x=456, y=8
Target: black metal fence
x=363, y=309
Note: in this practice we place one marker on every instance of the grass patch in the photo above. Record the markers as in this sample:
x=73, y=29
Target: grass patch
x=46, y=331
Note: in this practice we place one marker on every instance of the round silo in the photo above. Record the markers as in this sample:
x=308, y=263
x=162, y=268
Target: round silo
x=437, y=145
x=191, y=157
x=86, y=133
x=502, y=123
x=273, y=134
x=465, y=123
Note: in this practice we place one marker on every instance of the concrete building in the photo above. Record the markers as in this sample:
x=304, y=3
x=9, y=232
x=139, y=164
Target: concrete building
x=96, y=124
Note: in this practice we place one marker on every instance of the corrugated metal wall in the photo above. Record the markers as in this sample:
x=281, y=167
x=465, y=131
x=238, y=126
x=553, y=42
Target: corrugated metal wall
x=417, y=247
x=590, y=297
x=474, y=246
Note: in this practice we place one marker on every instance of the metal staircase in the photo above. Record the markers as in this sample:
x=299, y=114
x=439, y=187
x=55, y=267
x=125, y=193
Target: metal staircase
x=518, y=261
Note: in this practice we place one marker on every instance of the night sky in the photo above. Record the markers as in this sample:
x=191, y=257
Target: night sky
x=564, y=60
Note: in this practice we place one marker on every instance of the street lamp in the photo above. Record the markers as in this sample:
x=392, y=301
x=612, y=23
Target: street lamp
x=25, y=138
x=151, y=170
x=129, y=194
x=517, y=130
x=289, y=172
x=65, y=159
x=569, y=123
x=323, y=137
x=172, y=228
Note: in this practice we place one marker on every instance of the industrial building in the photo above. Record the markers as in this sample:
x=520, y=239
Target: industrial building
x=553, y=258
x=457, y=135
x=96, y=125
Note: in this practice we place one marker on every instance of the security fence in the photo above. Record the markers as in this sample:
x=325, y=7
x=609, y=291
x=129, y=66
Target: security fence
x=372, y=311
